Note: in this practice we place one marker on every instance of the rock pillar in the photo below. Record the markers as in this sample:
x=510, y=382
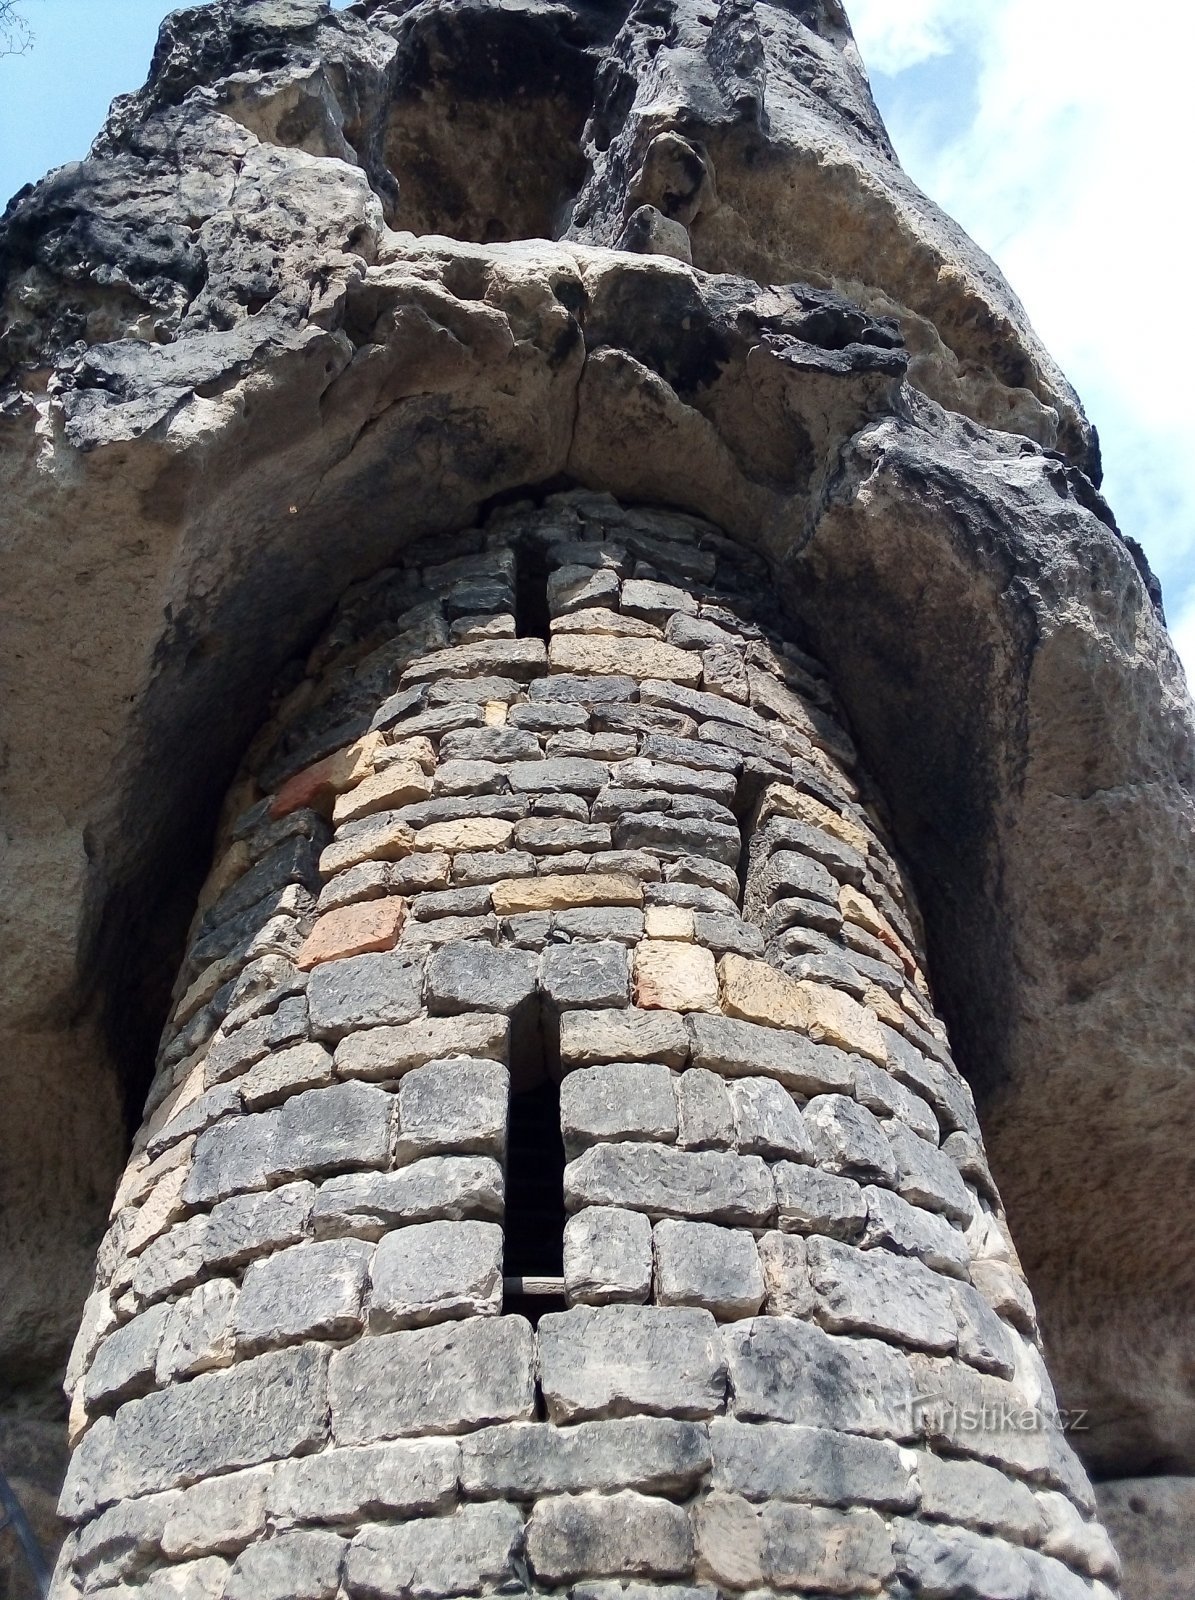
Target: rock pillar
x=555, y=1175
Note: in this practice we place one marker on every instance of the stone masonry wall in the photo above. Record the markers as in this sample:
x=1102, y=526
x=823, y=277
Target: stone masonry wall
x=553, y=824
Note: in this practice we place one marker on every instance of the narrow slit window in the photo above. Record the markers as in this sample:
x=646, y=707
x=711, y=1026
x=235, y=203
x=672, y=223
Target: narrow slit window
x=533, y=1261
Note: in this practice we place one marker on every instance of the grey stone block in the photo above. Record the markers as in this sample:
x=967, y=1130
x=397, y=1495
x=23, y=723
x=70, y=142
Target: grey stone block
x=440, y=1188
x=678, y=836
x=471, y=902
x=458, y=1106
x=172, y=1262
x=698, y=884
x=776, y=1461
x=886, y=1096
x=706, y=1185
x=472, y=1550
x=295, y=860
x=255, y=1411
x=434, y=1272
x=311, y=1291
x=585, y=974
x=983, y=1340
x=413, y=1477
x=198, y=1336
x=450, y=930
x=674, y=778
x=788, y=872
x=607, y=1257
x=294, y=1565
x=809, y=1200
x=786, y=1275
x=698, y=1264
x=926, y=1177
x=745, y=1049
x=767, y=1120
x=283, y=1073
x=559, y=774
x=705, y=1116
x=621, y=1100
x=721, y=933
x=653, y=601
x=962, y=1412
x=124, y=1363
x=954, y=1561
x=910, y=1231
x=847, y=1140
x=471, y=975
x=785, y=1370
x=364, y=992
x=191, y=1580
x=488, y=866
x=250, y=1225
x=614, y=1361
x=588, y=1038
x=370, y=880
x=623, y=923
x=120, y=1542
x=548, y=716
x=217, y=1515
x=490, y=744
x=847, y=865
x=325, y=1130
x=433, y=1380
x=581, y=689
x=811, y=1549
x=571, y=1536
x=552, y=836
x=980, y=1497
x=232, y=1053
x=876, y=1292
x=386, y=1053
x=521, y=1460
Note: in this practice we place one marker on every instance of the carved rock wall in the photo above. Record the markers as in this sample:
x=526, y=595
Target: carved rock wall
x=556, y=972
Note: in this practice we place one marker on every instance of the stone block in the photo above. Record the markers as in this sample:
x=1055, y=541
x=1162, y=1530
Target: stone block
x=782, y=800
x=190, y=1580
x=521, y=1460
x=552, y=836
x=910, y=1231
x=614, y=1361
x=589, y=1038
x=952, y=1561
x=119, y=1543
x=722, y=934
x=458, y=1106
x=439, y=1188
x=1068, y=1536
x=876, y=1292
x=380, y=838
x=654, y=601
x=199, y=1334
x=884, y=1095
x=217, y=1515
x=435, y=1272
x=705, y=1185
x=826, y=1551
x=368, y=991
x=607, y=1257
x=927, y=1177
x=601, y=620
x=698, y=1264
x=124, y=1363
x=498, y=745
x=473, y=1550
x=583, y=689
x=585, y=974
x=642, y=658
x=352, y=930
x=313, y=1290
x=755, y=992
x=673, y=836
x=980, y=1497
x=623, y=923
x=398, y=783
x=641, y=772
x=387, y=1053
x=470, y=975
x=628, y=1534
x=672, y=976
x=738, y=1048
x=412, y=1477
x=705, y=1116
x=514, y=658
x=571, y=588
x=465, y=833
x=548, y=717
x=256, y=1411
x=786, y=1370
x=789, y=1292
x=251, y=1225
x=983, y=1340
x=298, y=1564
x=809, y=1200
x=443, y=1379
x=340, y=1128
x=315, y=785
x=767, y=1120
x=962, y=1412
x=283, y=1073
x=561, y=892
x=617, y=1101
x=848, y=1140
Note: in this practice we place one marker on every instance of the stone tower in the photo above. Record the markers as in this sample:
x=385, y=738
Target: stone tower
x=619, y=580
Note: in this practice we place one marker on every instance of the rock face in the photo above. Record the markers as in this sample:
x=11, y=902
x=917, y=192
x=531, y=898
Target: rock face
x=332, y=282
x=542, y=1230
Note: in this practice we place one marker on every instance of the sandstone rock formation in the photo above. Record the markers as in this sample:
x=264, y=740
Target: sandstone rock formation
x=333, y=282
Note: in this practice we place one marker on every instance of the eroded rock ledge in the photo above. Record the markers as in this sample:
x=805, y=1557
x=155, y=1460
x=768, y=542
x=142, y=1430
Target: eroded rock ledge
x=232, y=386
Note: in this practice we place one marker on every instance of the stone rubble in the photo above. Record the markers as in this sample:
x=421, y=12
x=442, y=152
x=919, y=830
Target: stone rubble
x=782, y=1351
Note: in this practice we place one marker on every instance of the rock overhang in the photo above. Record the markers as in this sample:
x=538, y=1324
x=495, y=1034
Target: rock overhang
x=990, y=634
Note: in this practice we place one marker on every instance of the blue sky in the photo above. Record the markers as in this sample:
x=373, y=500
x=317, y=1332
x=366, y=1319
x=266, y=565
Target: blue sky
x=1055, y=131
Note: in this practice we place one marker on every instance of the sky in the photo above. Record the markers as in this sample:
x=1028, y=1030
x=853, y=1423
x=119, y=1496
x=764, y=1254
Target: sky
x=1057, y=133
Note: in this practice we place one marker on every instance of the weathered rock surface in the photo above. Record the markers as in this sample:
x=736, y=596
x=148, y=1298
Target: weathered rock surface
x=237, y=374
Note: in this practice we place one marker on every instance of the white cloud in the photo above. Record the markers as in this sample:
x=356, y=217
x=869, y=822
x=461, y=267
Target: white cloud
x=1070, y=167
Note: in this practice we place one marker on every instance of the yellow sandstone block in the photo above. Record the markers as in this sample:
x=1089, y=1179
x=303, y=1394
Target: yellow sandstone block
x=559, y=891
x=641, y=658
x=668, y=922
x=470, y=833
x=781, y=800
x=835, y=1018
x=400, y=783
x=672, y=976
x=756, y=992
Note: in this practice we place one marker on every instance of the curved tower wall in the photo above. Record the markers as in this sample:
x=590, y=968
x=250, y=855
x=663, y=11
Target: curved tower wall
x=555, y=1171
